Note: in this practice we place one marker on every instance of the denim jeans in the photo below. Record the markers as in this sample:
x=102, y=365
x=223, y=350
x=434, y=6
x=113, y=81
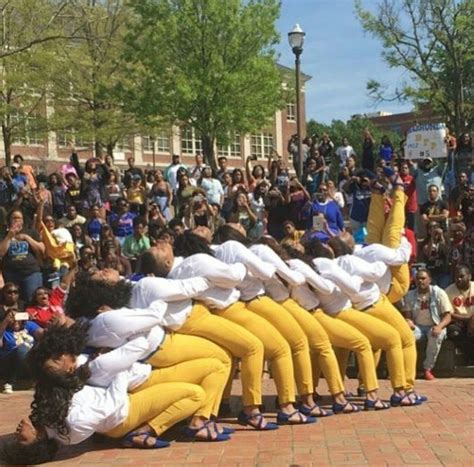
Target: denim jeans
x=14, y=364
x=28, y=284
x=434, y=344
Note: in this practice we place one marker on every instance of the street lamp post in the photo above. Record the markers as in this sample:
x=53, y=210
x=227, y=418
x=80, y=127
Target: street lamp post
x=296, y=40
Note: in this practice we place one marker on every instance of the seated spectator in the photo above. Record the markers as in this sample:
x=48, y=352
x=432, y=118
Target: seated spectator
x=156, y=220
x=87, y=259
x=21, y=251
x=435, y=255
x=429, y=315
x=111, y=259
x=257, y=205
x=136, y=195
x=138, y=242
x=242, y=212
x=72, y=217
x=456, y=246
x=212, y=187
x=457, y=194
x=94, y=224
x=293, y=236
x=121, y=221
x=47, y=304
x=80, y=238
x=73, y=192
x=435, y=209
x=17, y=336
x=411, y=206
x=335, y=194
x=162, y=194
x=461, y=295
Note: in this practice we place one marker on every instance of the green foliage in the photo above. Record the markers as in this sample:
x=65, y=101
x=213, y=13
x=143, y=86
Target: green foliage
x=434, y=41
x=209, y=63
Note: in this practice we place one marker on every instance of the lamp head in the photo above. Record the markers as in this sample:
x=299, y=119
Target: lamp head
x=296, y=39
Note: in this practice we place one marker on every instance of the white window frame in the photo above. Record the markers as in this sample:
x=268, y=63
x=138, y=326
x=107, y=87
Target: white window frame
x=232, y=150
x=261, y=144
x=193, y=145
x=291, y=112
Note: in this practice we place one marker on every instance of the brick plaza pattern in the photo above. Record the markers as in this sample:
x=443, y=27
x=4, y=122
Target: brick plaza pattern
x=440, y=432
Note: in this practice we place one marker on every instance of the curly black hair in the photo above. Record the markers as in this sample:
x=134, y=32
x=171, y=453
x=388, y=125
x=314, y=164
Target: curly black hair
x=56, y=341
x=41, y=451
x=297, y=254
x=339, y=246
x=316, y=249
x=88, y=295
x=275, y=246
x=189, y=244
x=227, y=232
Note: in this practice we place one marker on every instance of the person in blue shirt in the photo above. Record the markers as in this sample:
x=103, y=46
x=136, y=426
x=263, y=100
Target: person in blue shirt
x=386, y=149
x=359, y=188
x=17, y=337
x=121, y=221
x=323, y=216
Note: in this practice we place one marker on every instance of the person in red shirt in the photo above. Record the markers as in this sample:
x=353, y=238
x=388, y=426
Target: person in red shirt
x=48, y=305
x=411, y=205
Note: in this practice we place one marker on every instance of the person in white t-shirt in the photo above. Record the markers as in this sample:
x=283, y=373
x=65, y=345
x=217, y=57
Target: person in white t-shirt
x=344, y=152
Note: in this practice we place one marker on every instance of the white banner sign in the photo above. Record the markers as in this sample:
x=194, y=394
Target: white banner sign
x=426, y=141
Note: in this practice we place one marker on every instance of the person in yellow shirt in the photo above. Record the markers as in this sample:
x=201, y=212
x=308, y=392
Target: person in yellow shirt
x=292, y=236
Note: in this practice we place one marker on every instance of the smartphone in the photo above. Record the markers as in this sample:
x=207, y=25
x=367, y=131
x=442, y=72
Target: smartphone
x=22, y=316
x=318, y=223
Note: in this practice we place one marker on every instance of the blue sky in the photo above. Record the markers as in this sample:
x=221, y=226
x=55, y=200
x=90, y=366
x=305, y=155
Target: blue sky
x=339, y=56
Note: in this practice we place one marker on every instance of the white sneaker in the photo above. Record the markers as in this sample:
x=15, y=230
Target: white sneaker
x=7, y=388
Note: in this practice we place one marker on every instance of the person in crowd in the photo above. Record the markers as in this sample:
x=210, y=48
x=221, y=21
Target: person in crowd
x=238, y=181
x=199, y=166
x=429, y=315
x=299, y=196
x=435, y=255
x=111, y=259
x=386, y=150
x=254, y=175
x=368, y=144
x=161, y=194
x=121, y=220
x=277, y=203
x=87, y=259
x=138, y=242
x=435, y=209
x=114, y=189
x=94, y=224
x=344, y=151
x=411, y=206
x=94, y=180
x=463, y=155
x=223, y=164
x=111, y=166
x=184, y=194
x=171, y=172
x=325, y=148
x=359, y=187
x=313, y=175
x=80, y=238
x=465, y=206
x=212, y=187
x=257, y=205
x=293, y=236
x=242, y=212
x=132, y=171
x=27, y=170
x=72, y=217
x=456, y=195
x=7, y=189
x=21, y=251
x=335, y=195
x=58, y=195
x=461, y=296
x=136, y=195
x=73, y=192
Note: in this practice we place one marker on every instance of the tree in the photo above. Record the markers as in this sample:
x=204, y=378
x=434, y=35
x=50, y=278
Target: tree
x=24, y=74
x=86, y=103
x=434, y=41
x=206, y=63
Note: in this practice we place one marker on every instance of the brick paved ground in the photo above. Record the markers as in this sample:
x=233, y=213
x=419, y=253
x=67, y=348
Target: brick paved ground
x=440, y=432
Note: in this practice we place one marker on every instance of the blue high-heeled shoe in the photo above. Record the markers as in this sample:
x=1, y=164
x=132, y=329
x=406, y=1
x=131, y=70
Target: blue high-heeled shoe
x=128, y=442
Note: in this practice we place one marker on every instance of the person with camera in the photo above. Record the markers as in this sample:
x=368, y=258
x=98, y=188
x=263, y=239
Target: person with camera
x=435, y=255
x=325, y=148
x=435, y=209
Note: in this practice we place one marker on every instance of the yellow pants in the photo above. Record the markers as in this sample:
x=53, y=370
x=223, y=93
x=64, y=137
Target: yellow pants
x=276, y=349
x=238, y=341
x=289, y=328
x=347, y=337
x=381, y=336
x=209, y=373
x=388, y=233
x=161, y=406
x=386, y=312
x=323, y=357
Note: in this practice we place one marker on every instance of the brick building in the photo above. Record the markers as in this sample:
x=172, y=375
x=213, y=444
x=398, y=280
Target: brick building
x=48, y=151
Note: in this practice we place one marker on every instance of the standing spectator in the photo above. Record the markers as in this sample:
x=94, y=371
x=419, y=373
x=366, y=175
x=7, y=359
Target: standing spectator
x=254, y=175
x=162, y=194
x=277, y=205
x=183, y=194
x=238, y=181
x=94, y=180
x=19, y=179
x=359, y=188
x=426, y=175
x=299, y=196
x=435, y=209
x=344, y=151
x=171, y=172
x=368, y=144
x=196, y=170
x=257, y=204
x=430, y=315
x=386, y=150
x=222, y=170
x=121, y=221
x=450, y=176
x=80, y=238
x=27, y=170
x=325, y=148
x=73, y=192
x=466, y=206
x=155, y=219
x=136, y=195
x=312, y=176
x=242, y=213
x=463, y=159
x=411, y=205
x=461, y=295
x=21, y=251
x=435, y=255
x=335, y=194
x=212, y=187
x=113, y=189
x=7, y=189
x=58, y=195
x=138, y=242
x=131, y=172
x=69, y=167
x=94, y=224
x=227, y=203
x=72, y=217
x=456, y=245
x=110, y=163
x=457, y=194
x=17, y=337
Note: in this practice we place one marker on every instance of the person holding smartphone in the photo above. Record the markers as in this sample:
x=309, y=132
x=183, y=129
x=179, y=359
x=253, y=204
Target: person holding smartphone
x=17, y=336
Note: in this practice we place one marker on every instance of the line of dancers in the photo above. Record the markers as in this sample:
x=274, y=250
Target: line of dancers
x=133, y=358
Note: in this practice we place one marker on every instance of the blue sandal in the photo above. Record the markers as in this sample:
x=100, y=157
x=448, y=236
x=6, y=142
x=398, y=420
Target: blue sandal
x=191, y=434
x=396, y=401
x=339, y=408
x=128, y=442
x=225, y=430
x=285, y=418
x=372, y=405
x=417, y=397
x=255, y=421
x=305, y=410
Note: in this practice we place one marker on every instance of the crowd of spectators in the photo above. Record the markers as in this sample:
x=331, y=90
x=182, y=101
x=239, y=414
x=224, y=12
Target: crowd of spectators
x=92, y=216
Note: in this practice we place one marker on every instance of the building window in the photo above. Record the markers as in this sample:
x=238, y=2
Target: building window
x=123, y=145
x=28, y=130
x=234, y=149
x=147, y=143
x=189, y=143
x=291, y=112
x=83, y=142
x=162, y=140
x=261, y=145
x=65, y=137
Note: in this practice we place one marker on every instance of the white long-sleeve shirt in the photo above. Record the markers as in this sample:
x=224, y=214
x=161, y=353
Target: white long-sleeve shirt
x=305, y=294
x=274, y=287
x=369, y=292
x=176, y=292
x=115, y=327
x=389, y=256
x=95, y=410
x=232, y=252
x=223, y=278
